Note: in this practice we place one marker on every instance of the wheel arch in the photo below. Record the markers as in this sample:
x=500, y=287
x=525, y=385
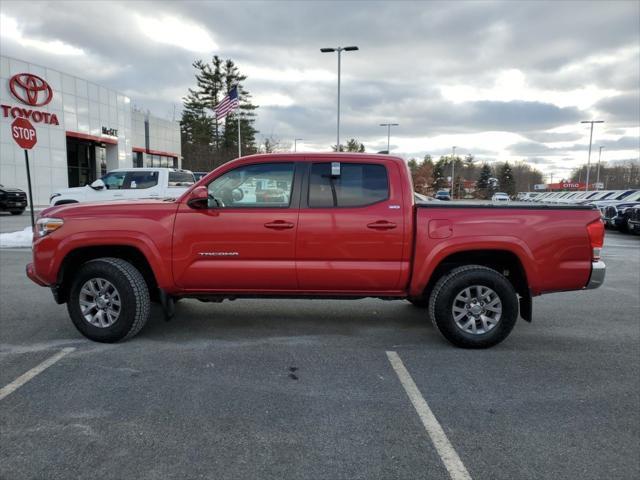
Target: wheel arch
x=505, y=262
x=81, y=255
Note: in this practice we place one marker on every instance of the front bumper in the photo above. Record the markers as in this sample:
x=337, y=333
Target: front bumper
x=598, y=270
x=31, y=273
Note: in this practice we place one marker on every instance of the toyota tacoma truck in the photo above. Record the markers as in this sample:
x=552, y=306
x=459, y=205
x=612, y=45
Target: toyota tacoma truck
x=316, y=226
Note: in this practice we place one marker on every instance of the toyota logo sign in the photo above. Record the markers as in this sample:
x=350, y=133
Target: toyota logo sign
x=30, y=89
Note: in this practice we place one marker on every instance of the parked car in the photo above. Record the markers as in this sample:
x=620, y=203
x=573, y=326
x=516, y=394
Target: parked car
x=500, y=197
x=419, y=198
x=347, y=227
x=128, y=184
x=442, y=195
x=12, y=200
x=616, y=216
x=633, y=219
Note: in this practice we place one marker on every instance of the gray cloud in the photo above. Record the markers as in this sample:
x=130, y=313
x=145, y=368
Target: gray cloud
x=409, y=50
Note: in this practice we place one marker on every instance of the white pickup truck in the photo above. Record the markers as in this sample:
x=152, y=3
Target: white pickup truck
x=128, y=183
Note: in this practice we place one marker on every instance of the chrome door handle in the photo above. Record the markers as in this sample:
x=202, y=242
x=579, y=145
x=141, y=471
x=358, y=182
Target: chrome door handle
x=279, y=225
x=381, y=225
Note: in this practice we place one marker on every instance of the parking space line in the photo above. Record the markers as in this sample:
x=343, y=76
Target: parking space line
x=38, y=369
x=448, y=455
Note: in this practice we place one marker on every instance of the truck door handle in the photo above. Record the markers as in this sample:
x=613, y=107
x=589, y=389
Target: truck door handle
x=381, y=225
x=279, y=225
x=118, y=195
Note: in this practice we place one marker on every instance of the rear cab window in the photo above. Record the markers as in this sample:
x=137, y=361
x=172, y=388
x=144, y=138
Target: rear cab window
x=181, y=179
x=140, y=179
x=357, y=185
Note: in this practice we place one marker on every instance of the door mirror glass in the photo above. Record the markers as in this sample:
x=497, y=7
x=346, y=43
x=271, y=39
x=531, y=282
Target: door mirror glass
x=98, y=185
x=198, y=198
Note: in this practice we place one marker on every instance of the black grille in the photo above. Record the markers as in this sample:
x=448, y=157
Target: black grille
x=610, y=212
x=634, y=214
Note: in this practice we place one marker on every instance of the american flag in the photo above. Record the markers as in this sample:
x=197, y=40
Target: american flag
x=228, y=104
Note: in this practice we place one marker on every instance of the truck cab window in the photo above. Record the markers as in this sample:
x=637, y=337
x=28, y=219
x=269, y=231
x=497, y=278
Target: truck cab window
x=114, y=180
x=358, y=184
x=258, y=186
x=141, y=179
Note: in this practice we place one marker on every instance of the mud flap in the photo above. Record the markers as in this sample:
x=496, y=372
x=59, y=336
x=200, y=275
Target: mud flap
x=168, y=305
x=526, y=307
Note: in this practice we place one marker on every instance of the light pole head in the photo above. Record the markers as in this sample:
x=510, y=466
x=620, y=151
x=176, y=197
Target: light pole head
x=327, y=50
x=351, y=49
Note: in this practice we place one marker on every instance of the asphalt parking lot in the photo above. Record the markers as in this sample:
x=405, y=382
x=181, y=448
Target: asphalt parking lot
x=271, y=389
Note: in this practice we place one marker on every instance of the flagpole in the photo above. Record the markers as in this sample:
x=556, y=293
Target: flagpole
x=239, y=135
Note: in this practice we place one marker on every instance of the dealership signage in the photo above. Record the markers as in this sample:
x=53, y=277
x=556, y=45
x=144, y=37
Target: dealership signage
x=32, y=91
x=112, y=132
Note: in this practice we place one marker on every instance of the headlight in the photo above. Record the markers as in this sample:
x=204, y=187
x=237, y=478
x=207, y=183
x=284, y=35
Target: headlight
x=44, y=226
x=54, y=196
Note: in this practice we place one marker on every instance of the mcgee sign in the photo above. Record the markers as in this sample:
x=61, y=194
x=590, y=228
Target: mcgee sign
x=32, y=91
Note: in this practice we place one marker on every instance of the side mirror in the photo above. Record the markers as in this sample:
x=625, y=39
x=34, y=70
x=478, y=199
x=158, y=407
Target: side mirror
x=198, y=198
x=98, y=185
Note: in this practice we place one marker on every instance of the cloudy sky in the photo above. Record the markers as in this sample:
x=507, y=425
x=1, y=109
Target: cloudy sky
x=500, y=80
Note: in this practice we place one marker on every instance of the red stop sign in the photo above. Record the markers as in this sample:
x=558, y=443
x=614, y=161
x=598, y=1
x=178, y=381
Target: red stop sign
x=23, y=133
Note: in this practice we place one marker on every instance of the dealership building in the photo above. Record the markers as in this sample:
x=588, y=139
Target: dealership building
x=83, y=130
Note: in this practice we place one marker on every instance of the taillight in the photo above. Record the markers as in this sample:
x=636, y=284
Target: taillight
x=596, y=236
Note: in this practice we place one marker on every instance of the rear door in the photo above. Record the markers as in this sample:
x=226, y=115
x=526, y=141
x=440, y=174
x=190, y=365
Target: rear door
x=351, y=224
x=245, y=240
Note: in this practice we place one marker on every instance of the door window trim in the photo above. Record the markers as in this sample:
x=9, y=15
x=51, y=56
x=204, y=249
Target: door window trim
x=307, y=185
x=294, y=198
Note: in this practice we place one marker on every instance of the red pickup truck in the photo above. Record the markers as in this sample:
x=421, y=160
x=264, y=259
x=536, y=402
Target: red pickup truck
x=314, y=226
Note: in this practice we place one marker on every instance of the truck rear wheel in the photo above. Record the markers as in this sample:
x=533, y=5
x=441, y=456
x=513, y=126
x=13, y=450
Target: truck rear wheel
x=109, y=300
x=474, y=307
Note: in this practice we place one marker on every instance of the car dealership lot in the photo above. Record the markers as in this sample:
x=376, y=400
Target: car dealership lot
x=304, y=389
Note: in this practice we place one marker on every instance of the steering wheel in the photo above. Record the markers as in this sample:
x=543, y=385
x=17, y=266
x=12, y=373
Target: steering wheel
x=217, y=201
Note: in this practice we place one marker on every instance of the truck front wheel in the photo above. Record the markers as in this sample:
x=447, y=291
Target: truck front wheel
x=109, y=300
x=474, y=307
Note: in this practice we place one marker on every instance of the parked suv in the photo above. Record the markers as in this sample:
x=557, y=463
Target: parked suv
x=633, y=219
x=12, y=200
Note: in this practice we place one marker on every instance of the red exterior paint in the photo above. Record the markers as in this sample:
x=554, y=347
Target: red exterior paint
x=93, y=138
x=322, y=251
x=23, y=133
x=30, y=89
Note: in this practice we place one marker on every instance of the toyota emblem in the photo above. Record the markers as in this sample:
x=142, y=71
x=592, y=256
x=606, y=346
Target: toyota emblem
x=30, y=89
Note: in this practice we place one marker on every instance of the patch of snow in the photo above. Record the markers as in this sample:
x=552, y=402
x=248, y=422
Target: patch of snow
x=20, y=239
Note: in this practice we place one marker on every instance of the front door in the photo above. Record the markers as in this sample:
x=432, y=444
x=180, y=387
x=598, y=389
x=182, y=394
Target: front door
x=351, y=228
x=245, y=240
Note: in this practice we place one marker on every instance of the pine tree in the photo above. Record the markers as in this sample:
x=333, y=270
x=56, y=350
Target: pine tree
x=482, y=184
x=207, y=141
x=505, y=177
x=353, y=145
x=439, y=177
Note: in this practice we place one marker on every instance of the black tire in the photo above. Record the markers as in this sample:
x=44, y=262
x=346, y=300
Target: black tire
x=134, y=297
x=17, y=212
x=451, y=284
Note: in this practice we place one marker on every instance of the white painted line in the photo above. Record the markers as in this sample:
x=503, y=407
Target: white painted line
x=448, y=455
x=38, y=369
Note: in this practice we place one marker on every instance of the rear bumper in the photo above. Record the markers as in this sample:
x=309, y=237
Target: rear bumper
x=598, y=270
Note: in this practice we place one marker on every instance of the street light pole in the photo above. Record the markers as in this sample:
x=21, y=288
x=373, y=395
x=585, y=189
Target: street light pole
x=389, y=125
x=598, y=174
x=453, y=169
x=339, y=50
x=295, y=143
x=586, y=188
